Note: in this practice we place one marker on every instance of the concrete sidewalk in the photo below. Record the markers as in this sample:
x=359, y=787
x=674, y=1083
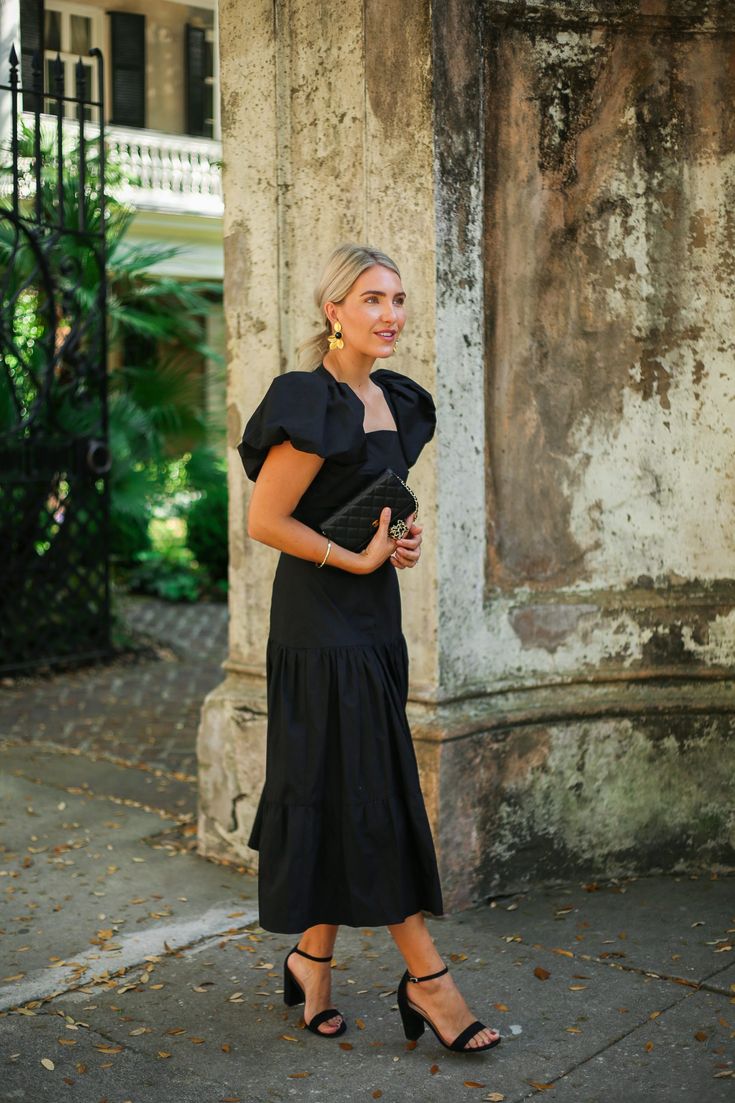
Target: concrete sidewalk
x=133, y=969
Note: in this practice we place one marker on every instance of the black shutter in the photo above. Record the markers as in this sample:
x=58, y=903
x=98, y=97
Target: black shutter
x=31, y=38
x=127, y=37
x=195, y=71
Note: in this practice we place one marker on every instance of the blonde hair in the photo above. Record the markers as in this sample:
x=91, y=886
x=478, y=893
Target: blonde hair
x=346, y=263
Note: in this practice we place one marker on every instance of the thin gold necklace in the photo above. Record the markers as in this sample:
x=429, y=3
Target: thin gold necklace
x=343, y=381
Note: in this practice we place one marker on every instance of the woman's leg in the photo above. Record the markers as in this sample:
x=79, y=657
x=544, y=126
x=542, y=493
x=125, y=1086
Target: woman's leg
x=440, y=999
x=315, y=977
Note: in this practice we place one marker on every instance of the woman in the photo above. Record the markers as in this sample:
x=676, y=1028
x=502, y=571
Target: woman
x=341, y=826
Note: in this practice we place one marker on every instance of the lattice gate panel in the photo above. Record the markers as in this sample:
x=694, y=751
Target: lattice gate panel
x=54, y=459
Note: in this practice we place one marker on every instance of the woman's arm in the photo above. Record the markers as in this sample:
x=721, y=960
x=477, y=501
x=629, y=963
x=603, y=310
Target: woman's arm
x=283, y=479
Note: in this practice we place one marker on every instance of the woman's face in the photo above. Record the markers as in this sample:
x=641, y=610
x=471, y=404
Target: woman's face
x=372, y=314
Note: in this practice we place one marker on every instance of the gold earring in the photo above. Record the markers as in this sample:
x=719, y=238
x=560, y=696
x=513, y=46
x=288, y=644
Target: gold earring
x=335, y=339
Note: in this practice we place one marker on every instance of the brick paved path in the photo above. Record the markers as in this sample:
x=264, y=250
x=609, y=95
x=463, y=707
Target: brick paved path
x=144, y=708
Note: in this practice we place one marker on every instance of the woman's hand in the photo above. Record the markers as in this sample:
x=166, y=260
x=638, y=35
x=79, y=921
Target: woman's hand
x=381, y=547
x=402, y=553
x=408, y=548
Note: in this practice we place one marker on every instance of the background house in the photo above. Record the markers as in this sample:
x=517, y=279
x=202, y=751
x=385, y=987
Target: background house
x=163, y=127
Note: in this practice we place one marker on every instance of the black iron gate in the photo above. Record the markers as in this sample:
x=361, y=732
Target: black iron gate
x=54, y=457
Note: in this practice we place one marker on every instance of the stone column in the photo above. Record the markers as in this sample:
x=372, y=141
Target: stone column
x=554, y=183
x=340, y=101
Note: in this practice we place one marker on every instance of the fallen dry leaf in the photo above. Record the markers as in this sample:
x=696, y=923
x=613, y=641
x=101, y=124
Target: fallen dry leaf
x=501, y=1006
x=701, y=1035
x=298, y=1075
x=576, y=987
x=541, y=973
x=48, y=1063
x=540, y=1087
x=648, y=1046
x=474, y=1084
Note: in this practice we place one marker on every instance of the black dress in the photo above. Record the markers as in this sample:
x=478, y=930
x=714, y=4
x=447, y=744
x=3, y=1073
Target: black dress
x=341, y=825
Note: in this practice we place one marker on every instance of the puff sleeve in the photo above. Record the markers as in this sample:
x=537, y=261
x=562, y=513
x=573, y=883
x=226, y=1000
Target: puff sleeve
x=415, y=411
x=298, y=406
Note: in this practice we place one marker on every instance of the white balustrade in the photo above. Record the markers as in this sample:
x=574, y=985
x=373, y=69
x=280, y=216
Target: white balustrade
x=175, y=172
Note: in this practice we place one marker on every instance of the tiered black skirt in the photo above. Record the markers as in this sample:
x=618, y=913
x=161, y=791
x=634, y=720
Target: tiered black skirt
x=341, y=826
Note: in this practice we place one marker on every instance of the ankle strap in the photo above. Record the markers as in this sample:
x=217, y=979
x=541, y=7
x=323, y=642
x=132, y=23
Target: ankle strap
x=430, y=976
x=304, y=954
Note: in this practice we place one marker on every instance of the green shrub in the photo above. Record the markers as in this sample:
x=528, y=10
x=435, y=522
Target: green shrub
x=206, y=526
x=167, y=575
x=129, y=535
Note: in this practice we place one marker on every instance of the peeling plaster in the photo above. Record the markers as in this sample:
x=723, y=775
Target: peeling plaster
x=600, y=784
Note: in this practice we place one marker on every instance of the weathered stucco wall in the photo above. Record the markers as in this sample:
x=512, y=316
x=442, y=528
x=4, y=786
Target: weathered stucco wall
x=324, y=89
x=556, y=180
x=607, y=252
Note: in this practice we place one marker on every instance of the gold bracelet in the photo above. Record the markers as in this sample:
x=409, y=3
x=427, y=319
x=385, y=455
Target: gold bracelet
x=324, y=560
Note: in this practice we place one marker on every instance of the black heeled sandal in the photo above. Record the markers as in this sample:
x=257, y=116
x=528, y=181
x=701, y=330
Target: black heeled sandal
x=414, y=1020
x=293, y=994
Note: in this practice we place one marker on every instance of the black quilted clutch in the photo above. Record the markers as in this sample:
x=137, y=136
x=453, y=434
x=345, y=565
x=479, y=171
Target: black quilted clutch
x=355, y=523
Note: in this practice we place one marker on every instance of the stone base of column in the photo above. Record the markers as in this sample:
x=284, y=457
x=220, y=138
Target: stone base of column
x=531, y=787
x=231, y=755
x=579, y=782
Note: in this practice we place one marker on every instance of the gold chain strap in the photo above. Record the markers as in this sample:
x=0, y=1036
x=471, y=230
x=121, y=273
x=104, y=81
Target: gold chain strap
x=399, y=528
x=408, y=488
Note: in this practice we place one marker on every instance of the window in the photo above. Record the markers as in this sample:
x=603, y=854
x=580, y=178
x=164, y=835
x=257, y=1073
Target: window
x=128, y=57
x=70, y=30
x=200, y=80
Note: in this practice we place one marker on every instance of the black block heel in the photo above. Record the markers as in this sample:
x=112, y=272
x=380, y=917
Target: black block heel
x=293, y=994
x=413, y=1023
x=414, y=1020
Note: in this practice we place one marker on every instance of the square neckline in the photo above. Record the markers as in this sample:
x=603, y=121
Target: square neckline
x=368, y=432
